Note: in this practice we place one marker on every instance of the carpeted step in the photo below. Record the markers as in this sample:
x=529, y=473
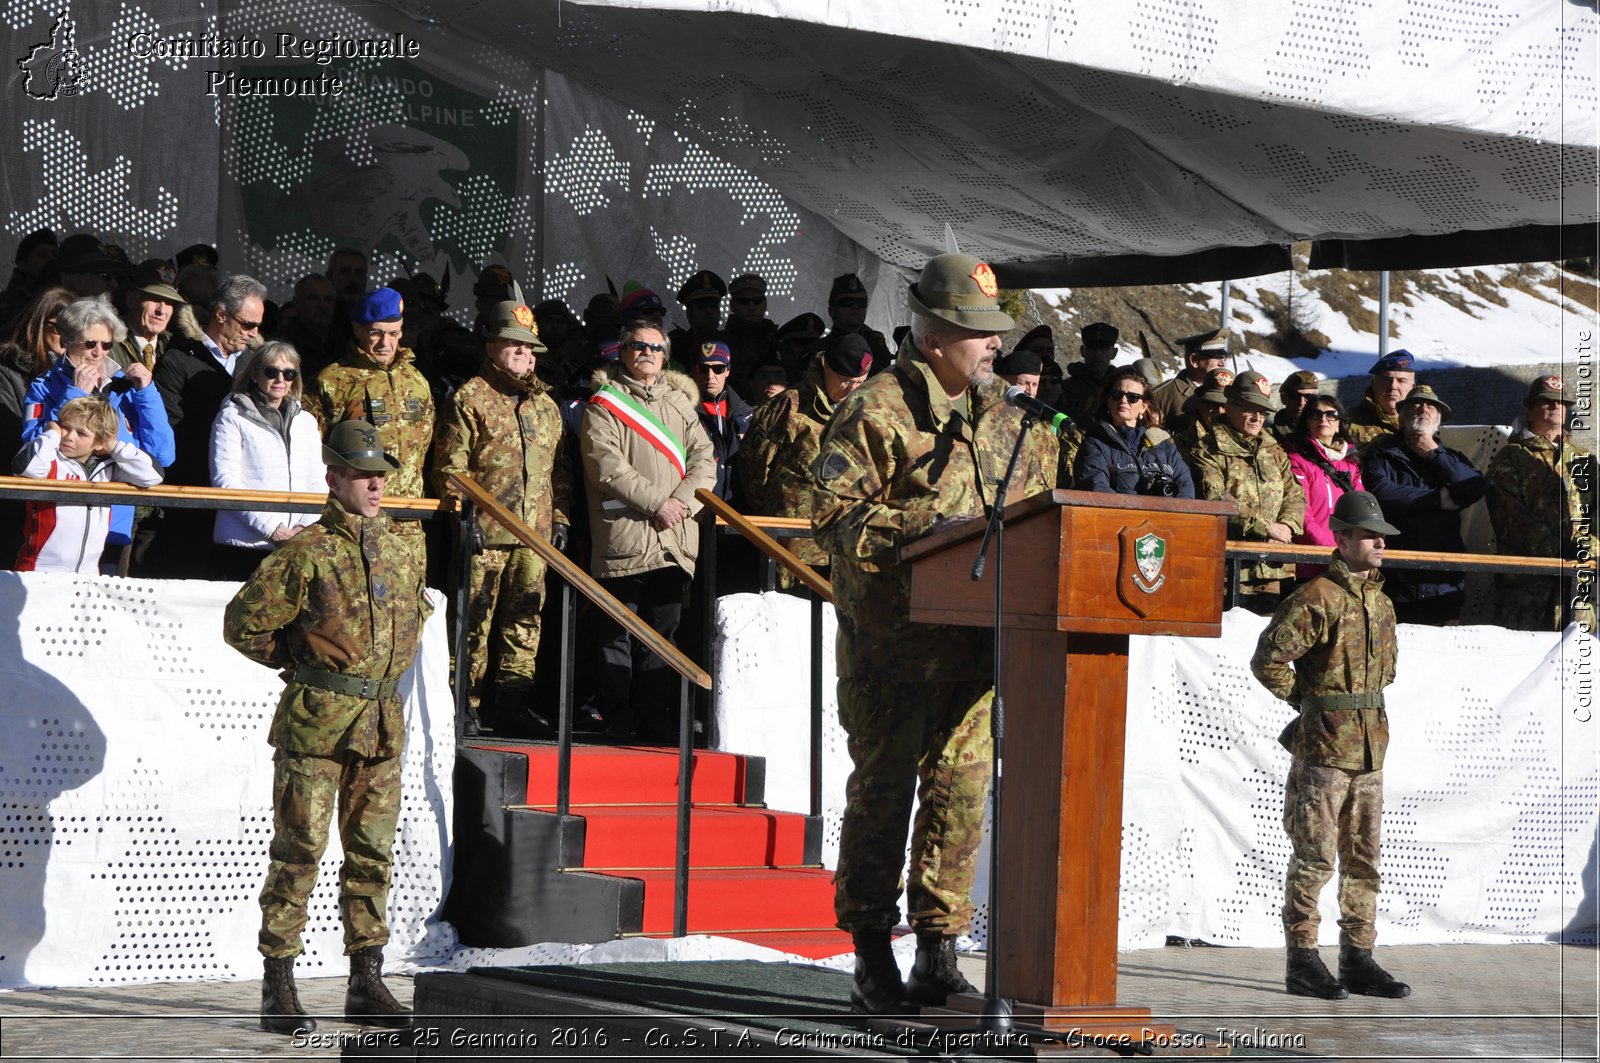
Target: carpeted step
x=738, y=899
x=633, y=775
x=812, y=944
x=725, y=836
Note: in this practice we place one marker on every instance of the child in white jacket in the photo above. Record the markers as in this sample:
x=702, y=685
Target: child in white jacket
x=80, y=444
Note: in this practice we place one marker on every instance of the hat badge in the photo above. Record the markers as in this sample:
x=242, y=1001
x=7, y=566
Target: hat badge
x=524, y=316
x=1553, y=383
x=369, y=436
x=167, y=274
x=983, y=275
x=1263, y=386
x=707, y=350
x=1224, y=378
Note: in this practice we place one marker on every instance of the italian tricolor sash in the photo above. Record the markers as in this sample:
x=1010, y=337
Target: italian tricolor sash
x=632, y=413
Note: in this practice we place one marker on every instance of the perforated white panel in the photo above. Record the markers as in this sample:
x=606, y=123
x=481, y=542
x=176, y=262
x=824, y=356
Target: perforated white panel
x=135, y=790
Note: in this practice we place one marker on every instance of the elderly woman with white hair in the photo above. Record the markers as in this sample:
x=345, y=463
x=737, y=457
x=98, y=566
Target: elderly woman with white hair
x=263, y=440
x=89, y=328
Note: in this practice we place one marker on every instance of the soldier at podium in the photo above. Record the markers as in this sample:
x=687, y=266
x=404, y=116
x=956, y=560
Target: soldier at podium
x=917, y=445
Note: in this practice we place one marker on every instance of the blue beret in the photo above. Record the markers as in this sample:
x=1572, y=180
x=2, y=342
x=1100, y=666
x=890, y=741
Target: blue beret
x=384, y=304
x=1400, y=359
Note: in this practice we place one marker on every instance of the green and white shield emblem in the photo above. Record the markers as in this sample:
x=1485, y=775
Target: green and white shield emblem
x=1150, y=557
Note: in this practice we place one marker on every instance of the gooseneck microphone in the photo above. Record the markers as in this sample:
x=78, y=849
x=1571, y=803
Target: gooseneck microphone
x=1017, y=396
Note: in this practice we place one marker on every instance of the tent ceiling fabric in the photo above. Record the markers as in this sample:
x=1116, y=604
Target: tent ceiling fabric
x=1066, y=129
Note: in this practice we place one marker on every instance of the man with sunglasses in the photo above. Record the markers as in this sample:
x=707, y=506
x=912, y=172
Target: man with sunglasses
x=701, y=298
x=723, y=414
x=847, y=309
x=751, y=336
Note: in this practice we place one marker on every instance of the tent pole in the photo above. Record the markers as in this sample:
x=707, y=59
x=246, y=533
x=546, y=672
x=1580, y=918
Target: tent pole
x=1226, y=315
x=537, y=280
x=1383, y=313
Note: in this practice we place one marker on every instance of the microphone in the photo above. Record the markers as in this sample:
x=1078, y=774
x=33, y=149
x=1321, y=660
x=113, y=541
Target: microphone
x=1018, y=397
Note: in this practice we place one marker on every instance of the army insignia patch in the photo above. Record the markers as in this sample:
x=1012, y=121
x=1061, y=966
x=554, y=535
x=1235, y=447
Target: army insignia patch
x=253, y=593
x=984, y=277
x=1224, y=378
x=833, y=466
x=524, y=317
x=707, y=350
x=369, y=437
x=1263, y=386
x=1552, y=383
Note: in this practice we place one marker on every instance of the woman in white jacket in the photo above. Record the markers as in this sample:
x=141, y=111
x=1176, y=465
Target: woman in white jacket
x=263, y=440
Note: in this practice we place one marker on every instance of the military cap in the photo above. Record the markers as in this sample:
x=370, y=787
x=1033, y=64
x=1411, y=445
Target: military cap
x=1215, y=388
x=806, y=326
x=703, y=285
x=1359, y=509
x=1395, y=360
x=1098, y=334
x=1547, y=388
x=846, y=284
x=511, y=321
x=748, y=282
x=37, y=238
x=82, y=253
x=1423, y=393
x=1213, y=343
x=962, y=290
x=715, y=353
x=1018, y=362
x=848, y=354
x=355, y=445
x=385, y=304
x=640, y=300
x=156, y=276
x=1250, y=388
x=1304, y=380
x=1032, y=337
x=493, y=283
x=196, y=255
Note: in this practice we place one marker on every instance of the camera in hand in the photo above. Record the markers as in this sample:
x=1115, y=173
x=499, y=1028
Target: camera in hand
x=1159, y=484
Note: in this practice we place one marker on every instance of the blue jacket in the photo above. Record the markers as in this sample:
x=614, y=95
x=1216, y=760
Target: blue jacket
x=1105, y=462
x=141, y=420
x=1408, y=489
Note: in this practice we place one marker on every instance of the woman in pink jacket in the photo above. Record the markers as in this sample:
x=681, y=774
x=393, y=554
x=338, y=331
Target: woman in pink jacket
x=1324, y=461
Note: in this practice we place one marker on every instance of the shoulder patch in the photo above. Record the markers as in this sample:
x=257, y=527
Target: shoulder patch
x=1283, y=636
x=253, y=593
x=833, y=466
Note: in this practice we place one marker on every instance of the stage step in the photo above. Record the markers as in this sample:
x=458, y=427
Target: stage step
x=812, y=944
x=638, y=775
x=737, y=899
x=725, y=836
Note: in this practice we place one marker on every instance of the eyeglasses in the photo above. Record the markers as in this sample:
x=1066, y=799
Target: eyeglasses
x=1324, y=415
x=94, y=345
x=248, y=326
x=273, y=372
x=640, y=346
x=715, y=367
x=1133, y=397
x=851, y=304
x=749, y=300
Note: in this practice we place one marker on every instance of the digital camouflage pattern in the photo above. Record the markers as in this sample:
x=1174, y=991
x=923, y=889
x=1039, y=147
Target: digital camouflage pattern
x=305, y=792
x=1368, y=423
x=1537, y=509
x=891, y=725
x=394, y=398
x=1335, y=634
x=1255, y=473
x=777, y=453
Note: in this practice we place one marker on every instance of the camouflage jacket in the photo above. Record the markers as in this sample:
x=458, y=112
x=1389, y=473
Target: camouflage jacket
x=1338, y=633
x=897, y=457
x=1534, y=501
x=505, y=432
x=1368, y=422
x=396, y=398
x=1256, y=475
x=777, y=453
x=345, y=595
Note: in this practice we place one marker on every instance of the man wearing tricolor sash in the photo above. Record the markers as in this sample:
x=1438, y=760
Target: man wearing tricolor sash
x=644, y=456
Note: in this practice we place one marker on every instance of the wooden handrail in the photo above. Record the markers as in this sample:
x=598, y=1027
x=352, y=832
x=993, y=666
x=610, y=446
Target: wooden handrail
x=585, y=583
x=1286, y=552
x=803, y=572
x=74, y=492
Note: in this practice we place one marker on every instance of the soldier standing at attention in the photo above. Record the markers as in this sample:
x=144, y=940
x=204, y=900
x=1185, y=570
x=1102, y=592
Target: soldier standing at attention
x=1337, y=631
x=339, y=608
x=503, y=430
x=916, y=444
x=377, y=381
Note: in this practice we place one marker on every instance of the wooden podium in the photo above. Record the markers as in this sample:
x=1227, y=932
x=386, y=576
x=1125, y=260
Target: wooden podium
x=1083, y=571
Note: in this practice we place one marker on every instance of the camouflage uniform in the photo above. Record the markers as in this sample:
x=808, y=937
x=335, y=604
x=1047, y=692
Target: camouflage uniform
x=1537, y=511
x=1255, y=474
x=505, y=433
x=913, y=698
x=1338, y=632
x=777, y=453
x=340, y=597
x=1369, y=423
x=395, y=398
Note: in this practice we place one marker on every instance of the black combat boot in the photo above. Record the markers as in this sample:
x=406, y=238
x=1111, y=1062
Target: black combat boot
x=1360, y=973
x=280, y=1004
x=877, y=989
x=934, y=975
x=1308, y=977
x=367, y=1001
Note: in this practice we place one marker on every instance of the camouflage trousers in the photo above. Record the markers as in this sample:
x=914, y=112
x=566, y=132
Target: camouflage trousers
x=1331, y=813
x=1542, y=603
x=931, y=742
x=305, y=790
x=507, y=595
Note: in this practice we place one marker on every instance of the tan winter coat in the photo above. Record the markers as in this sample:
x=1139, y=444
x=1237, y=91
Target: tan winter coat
x=628, y=480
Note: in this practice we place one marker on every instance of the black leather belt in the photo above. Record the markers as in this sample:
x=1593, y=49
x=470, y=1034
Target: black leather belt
x=354, y=686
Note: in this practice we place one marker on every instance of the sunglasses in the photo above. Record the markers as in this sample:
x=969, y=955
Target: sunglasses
x=95, y=345
x=715, y=367
x=640, y=346
x=273, y=372
x=248, y=326
x=749, y=300
x=856, y=304
x=1324, y=415
x=1133, y=397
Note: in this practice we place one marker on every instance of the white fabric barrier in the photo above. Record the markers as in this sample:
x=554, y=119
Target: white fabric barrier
x=1492, y=791
x=136, y=783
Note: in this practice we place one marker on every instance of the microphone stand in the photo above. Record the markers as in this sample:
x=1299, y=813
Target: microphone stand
x=996, y=1019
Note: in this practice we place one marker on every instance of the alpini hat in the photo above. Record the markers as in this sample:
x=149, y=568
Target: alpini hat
x=512, y=321
x=1423, y=393
x=1216, y=386
x=1547, y=389
x=355, y=445
x=384, y=304
x=1359, y=509
x=1304, y=380
x=1250, y=388
x=962, y=290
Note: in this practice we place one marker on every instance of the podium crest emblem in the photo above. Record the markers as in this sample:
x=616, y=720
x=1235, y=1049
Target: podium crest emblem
x=1142, y=573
